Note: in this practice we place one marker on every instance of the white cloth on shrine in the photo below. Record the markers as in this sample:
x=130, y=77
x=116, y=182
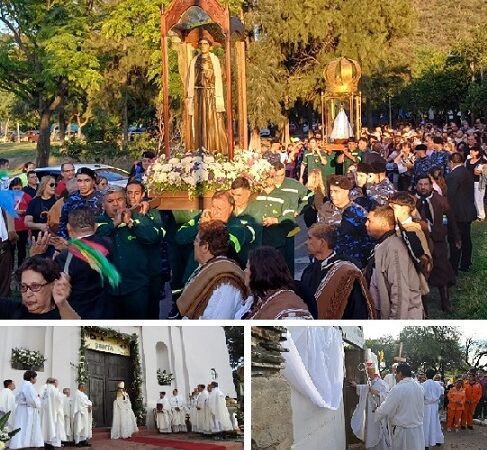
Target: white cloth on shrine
x=341, y=126
x=52, y=416
x=315, y=364
x=219, y=411
x=203, y=415
x=68, y=417
x=403, y=408
x=124, y=423
x=431, y=421
x=81, y=417
x=27, y=418
x=7, y=404
x=364, y=425
x=178, y=409
x=163, y=418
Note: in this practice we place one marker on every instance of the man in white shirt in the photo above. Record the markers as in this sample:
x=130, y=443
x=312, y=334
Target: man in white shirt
x=7, y=401
x=82, y=417
x=178, y=411
x=203, y=415
x=52, y=415
x=433, y=392
x=390, y=378
x=403, y=408
x=163, y=416
x=68, y=414
x=220, y=417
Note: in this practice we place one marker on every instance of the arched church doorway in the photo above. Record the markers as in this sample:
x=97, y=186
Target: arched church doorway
x=107, y=368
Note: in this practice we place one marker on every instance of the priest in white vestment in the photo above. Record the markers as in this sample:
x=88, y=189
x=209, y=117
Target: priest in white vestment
x=390, y=378
x=218, y=409
x=203, y=415
x=403, y=409
x=52, y=415
x=374, y=433
x=7, y=401
x=193, y=398
x=433, y=392
x=124, y=424
x=27, y=416
x=163, y=416
x=178, y=413
x=68, y=414
x=82, y=421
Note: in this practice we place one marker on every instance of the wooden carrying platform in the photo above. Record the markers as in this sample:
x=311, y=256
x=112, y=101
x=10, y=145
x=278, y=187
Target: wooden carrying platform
x=180, y=201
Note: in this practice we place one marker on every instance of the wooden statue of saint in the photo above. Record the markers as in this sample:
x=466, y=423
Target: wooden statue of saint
x=205, y=102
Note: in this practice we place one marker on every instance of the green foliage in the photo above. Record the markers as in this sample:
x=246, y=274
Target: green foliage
x=141, y=143
x=389, y=346
x=235, y=344
x=92, y=152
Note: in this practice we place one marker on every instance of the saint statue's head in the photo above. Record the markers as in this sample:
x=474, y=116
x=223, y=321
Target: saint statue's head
x=204, y=46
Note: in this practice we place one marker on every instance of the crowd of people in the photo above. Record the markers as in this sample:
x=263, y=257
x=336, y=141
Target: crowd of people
x=404, y=411
x=51, y=418
x=205, y=412
x=388, y=219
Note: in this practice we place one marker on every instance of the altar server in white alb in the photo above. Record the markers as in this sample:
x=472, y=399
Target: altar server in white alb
x=52, y=415
x=27, y=415
x=68, y=414
x=7, y=401
x=81, y=417
x=403, y=408
x=163, y=416
x=193, y=398
x=124, y=423
x=220, y=417
x=433, y=392
x=390, y=378
x=364, y=422
x=178, y=406
x=203, y=414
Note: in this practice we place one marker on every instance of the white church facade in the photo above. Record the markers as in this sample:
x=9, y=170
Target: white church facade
x=192, y=354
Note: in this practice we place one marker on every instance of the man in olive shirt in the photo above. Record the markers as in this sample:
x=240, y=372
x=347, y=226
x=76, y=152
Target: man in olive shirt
x=315, y=158
x=133, y=236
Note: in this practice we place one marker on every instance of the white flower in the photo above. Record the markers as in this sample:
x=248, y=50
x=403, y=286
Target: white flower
x=174, y=161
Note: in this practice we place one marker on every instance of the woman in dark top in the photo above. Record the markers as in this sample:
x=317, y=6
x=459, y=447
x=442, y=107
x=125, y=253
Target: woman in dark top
x=36, y=214
x=316, y=197
x=45, y=292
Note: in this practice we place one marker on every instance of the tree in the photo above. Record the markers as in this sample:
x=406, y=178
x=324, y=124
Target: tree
x=44, y=53
x=386, y=344
x=235, y=345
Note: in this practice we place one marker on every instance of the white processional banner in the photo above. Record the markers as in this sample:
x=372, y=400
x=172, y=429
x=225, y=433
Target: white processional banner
x=315, y=364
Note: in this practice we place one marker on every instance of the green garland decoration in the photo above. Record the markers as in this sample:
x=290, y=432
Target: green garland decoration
x=133, y=342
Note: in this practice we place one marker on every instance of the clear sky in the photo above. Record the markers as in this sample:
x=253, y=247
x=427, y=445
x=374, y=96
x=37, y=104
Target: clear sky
x=378, y=328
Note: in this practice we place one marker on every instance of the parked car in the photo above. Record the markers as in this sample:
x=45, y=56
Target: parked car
x=115, y=176
x=265, y=132
x=30, y=136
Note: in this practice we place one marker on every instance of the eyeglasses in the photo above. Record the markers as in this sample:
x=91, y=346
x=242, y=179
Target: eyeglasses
x=52, y=184
x=34, y=287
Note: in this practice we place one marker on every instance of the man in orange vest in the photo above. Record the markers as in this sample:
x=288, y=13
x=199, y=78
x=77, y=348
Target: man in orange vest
x=456, y=405
x=473, y=394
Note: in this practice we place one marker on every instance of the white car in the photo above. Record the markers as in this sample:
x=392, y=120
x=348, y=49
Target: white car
x=115, y=176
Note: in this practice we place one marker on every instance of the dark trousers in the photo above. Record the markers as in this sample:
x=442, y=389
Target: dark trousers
x=131, y=306
x=154, y=296
x=21, y=246
x=5, y=268
x=462, y=256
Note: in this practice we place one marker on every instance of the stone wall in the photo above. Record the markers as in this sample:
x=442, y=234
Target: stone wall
x=272, y=415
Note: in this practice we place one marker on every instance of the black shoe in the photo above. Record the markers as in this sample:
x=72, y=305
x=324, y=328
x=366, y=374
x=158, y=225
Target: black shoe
x=462, y=427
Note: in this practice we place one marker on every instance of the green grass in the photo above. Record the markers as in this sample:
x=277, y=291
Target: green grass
x=469, y=296
x=18, y=153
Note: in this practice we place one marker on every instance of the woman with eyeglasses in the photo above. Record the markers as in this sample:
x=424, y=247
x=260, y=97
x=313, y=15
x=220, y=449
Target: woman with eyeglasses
x=37, y=211
x=45, y=291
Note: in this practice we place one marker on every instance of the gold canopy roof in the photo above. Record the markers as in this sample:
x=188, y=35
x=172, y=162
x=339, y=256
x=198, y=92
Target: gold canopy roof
x=342, y=76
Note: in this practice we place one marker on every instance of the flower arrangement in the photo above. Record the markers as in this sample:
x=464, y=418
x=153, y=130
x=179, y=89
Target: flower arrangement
x=27, y=359
x=200, y=173
x=5, y=435
x=164, y=378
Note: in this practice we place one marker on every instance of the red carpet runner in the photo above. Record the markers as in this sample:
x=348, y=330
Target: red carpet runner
x=183, y=445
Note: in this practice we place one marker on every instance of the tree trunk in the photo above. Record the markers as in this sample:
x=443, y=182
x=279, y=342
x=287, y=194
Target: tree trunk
x=6, y=129
x=62, y=124
x=44, y=141
x=125, y=118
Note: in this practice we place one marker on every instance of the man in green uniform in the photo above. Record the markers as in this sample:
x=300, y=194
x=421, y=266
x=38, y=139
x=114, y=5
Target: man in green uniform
x=135, y=197
x=315, y=158
x=132, y=235
x=222, y=206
